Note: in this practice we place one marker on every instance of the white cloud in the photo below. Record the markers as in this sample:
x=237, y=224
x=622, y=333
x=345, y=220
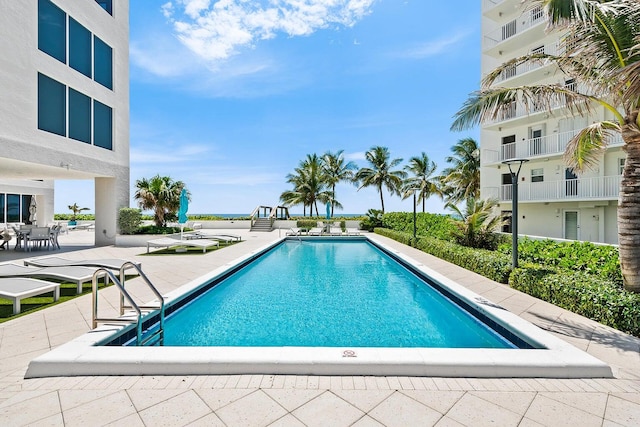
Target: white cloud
x=216, y=30
x=181, y=154
x=434, y=47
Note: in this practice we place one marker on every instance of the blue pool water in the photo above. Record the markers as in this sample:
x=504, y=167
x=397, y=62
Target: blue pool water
x=326, y=294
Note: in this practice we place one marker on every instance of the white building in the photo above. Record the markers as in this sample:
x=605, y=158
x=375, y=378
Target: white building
x=64, y=80
x=553, y=202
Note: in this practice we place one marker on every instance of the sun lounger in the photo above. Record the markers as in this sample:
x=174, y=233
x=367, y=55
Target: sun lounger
x=18, y=288
x=75, y=274
x=167, y=242
x=294, y=231
x=316, y=231
x=353, y=232
x=111, y=264
x=335, y=230
x=226, y=238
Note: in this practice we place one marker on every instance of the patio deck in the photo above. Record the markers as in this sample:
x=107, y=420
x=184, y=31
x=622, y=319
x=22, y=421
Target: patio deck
x=262, y=400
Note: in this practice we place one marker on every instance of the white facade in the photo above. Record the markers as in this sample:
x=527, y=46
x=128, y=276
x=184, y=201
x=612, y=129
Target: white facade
x=65, y=117
x=552, y=202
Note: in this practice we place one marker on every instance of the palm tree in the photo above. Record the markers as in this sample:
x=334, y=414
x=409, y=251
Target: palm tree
x=309, y=185
x=336, y=170
x=380, y=174
x=160, y=194
x=602, y=54
x=478, y=224
x=462, y=180
x=421, y=182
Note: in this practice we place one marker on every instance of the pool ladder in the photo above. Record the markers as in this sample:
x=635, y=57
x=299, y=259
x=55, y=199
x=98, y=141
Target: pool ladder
x=141, y=311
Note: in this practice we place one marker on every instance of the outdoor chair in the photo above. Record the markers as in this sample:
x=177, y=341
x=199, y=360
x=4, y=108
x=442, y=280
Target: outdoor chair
x=18, y=288
x=5, y=237
x=38, y=236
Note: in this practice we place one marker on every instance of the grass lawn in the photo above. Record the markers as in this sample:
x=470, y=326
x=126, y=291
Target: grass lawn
x=29, y=305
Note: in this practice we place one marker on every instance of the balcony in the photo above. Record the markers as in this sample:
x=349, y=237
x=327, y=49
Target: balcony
x=513, y=28
x=513, y=73
x=545, y=146
x=597, y=188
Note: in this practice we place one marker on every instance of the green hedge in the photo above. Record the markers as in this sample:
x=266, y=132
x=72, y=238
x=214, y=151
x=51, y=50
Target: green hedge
x=598, y=299
x=490, y=264
x=427, y=224
x=600, y=260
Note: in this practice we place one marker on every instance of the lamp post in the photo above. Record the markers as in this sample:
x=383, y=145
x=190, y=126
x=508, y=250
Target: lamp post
x=514, y=205
x=414, y=216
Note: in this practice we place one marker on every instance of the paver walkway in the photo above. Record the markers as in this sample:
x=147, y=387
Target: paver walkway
x=288, y=400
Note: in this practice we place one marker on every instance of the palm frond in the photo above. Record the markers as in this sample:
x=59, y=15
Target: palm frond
x=584, y=149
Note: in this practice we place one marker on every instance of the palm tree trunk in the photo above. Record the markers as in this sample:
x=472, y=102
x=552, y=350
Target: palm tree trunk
x=423, y=202
x=381, y=198
x=629, y=208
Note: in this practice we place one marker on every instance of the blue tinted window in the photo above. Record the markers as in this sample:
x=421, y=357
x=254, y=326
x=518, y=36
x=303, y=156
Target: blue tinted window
x=79, y=116
x=106, y=5
x=13, y=208
x=103, y=66
x=26, y=202
x=102, y=125
x=52, y=30
x=52, y=105
x=2, y=208
x=79, y=48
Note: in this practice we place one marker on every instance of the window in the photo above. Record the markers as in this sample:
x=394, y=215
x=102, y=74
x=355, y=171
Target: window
x=102, y=125
x=79, y=116
x=52, y=30
x=106, y=5
x=621, y=165
x=570, y=84
x=13, y=208
x=52, y=105
x=2, y=220
x=79, y=48
x=24, y=212
x=103, y=63
x=537, y=175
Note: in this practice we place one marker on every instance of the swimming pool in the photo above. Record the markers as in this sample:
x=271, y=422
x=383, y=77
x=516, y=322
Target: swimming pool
x=327, y=293
x=550, y=357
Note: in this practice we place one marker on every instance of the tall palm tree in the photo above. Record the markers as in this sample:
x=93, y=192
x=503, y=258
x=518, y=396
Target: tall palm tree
x=461, y=180
x=602, y=54
x=309, y=185
x=381, y=173
x=160, y=194
x=336, y=169
x=421, y=182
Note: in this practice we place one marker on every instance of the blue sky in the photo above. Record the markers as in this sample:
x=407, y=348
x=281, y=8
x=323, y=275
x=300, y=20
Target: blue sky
x=230, y=95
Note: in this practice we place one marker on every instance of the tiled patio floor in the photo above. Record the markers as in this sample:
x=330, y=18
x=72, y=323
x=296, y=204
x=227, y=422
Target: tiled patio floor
x=262, y=400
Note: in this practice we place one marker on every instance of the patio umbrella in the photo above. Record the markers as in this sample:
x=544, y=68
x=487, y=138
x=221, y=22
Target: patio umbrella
x=182, y=211
x=328, y=210
x=32, y=210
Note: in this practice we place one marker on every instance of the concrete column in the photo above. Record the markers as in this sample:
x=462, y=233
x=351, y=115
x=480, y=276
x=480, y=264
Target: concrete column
x=111, y=194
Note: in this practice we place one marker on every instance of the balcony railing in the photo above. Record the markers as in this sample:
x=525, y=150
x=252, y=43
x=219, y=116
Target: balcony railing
x=513, y=28
x=521, y=69
x=549, y=145
x=600, y=188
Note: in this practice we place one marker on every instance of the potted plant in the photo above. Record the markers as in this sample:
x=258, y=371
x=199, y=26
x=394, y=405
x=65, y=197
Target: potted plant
x=75, y=209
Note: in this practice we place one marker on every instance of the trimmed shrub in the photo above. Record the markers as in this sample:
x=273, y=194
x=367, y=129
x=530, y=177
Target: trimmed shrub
x=598, y=260
x=129, y=219
x=598, y=299
x=492, y=265
x=427, y=224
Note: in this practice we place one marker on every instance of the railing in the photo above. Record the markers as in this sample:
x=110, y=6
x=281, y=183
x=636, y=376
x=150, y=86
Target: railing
x=607, y=187
x=108, y=275
x=549, y=145
x=513, y=28
x=521, y=69
x=260, y=212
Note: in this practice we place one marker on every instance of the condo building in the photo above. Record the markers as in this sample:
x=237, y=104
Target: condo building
x=552, y=200
x=64, y=115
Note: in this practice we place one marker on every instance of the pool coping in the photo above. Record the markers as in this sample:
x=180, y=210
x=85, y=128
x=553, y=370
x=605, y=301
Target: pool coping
x=558, y=359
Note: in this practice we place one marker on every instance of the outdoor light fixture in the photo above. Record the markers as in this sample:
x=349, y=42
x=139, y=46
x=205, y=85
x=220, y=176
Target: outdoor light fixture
x=514, y=204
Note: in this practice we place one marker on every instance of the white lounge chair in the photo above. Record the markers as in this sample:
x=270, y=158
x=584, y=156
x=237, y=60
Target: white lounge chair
x=353, y=232
x=294, y=231
x=18, y=288
x=202, y=234
x=110, y=263
x=167, y=242
x=74, y=274
x=316, y=231
x=335, y=229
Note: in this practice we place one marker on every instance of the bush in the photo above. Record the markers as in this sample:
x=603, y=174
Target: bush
x=492, y=265
x=373, y=220
x=153, y=229
x=600, y=260
x=129, y=219
x=427, y=224
x=79, y=217
x=598, y=299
